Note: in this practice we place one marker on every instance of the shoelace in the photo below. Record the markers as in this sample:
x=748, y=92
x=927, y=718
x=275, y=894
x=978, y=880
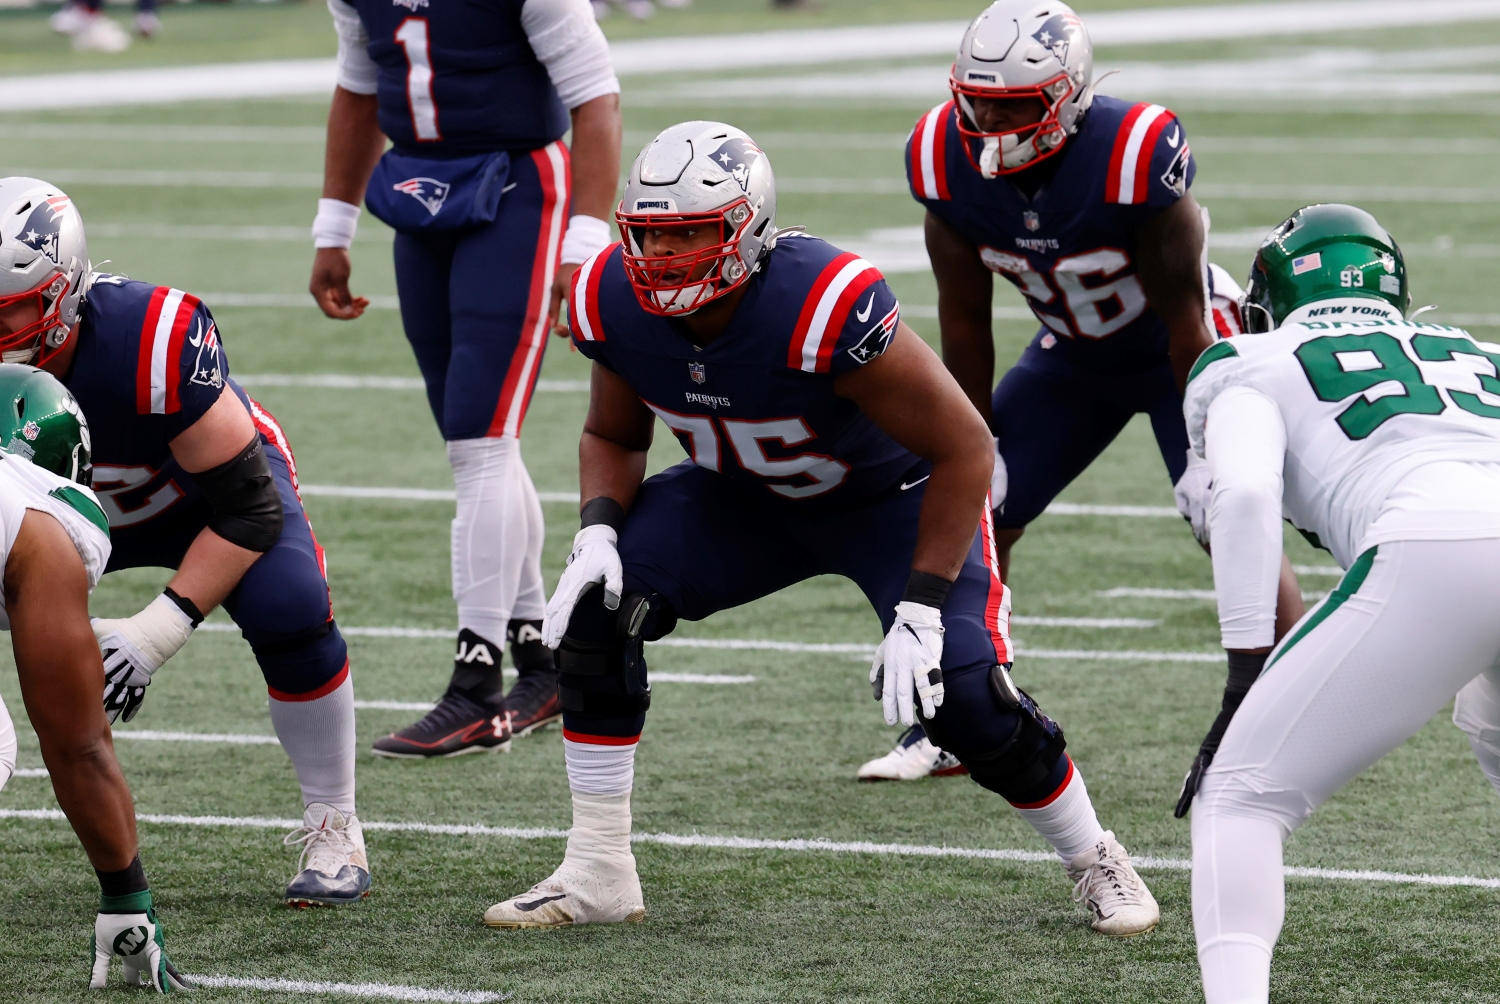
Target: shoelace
x=1105, y=875
x=322, y=846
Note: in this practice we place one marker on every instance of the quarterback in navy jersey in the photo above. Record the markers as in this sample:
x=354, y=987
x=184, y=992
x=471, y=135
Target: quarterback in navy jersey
x=1082, y=202
x=195, y=476
x=475, y=98
x=823, y=436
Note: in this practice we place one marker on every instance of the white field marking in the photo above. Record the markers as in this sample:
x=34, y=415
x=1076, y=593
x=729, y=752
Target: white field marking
x=1349, y=193
x=1083, y=622
x=717, y=53
x=197, y=135
x=1090, y=655
x=216, y=300
x=393, y=705
x=140, y=178
x=378, y=991
x=1148, y=593
x=1318, y=570
x=346, y=381
x=233, y=739
x=215, y=232
x=803, y=845
x=1141, y=511
x=31, y=772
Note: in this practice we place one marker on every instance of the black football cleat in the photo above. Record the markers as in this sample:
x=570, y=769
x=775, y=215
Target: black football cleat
x=469, y=719
x=533, y=702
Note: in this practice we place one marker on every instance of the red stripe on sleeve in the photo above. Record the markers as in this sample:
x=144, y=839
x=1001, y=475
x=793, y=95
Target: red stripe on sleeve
x=810, y=307
x=840, y=315
x=1147, y=151
x=914, y=159
x=148, y=338
x=940, y=149
x=1117, y=157
x=591, y=292
x=180, y=324
x=994, y=607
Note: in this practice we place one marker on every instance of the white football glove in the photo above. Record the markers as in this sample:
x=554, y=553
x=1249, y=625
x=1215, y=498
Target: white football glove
x=906, y=666
x=1193, y=492
x=136, y=647
x=136, y=939
x=594, y=559
x=999, y=480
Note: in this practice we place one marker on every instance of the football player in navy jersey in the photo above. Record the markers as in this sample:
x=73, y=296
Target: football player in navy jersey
x=478, y=185
x=823, y=437
x=193, y=476
x=1081, y=201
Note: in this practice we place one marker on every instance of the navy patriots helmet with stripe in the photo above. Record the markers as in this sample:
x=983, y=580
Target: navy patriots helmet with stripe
x=43, y=259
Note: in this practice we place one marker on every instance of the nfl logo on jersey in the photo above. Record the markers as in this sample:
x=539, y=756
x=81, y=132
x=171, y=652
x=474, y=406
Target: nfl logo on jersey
x=1033, y=221
x=697, y=372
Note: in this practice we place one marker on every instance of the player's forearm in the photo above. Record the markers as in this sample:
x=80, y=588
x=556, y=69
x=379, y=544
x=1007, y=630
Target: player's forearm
x=354, y=144
x=596, y=156
x=210, y=570
x=609, y=469
x=1171, y=264
x=953, y=505
x=92, y=793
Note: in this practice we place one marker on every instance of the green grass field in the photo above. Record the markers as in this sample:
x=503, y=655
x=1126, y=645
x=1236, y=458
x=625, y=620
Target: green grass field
x=772, y=759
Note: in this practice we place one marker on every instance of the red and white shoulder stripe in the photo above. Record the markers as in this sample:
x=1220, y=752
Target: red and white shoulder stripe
x=583, y=317
x=1130, y=163
x=928, y=153
x=826, y=309
x=159, y=368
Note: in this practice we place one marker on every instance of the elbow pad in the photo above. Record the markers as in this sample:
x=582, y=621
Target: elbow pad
x=242, y=494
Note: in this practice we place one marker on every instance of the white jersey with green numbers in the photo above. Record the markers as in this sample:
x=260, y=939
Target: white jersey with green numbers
x=25, y=486
x=1367, y=400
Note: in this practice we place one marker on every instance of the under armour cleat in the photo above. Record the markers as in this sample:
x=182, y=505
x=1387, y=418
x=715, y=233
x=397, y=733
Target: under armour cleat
x=456, y=726
x=1107, y=884
x=914, y=757
x=532, y=703
x=333, y=869
x=574, y=895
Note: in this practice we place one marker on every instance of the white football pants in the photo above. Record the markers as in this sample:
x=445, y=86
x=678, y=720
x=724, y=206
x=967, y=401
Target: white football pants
x=497, y=537
x=1355, y=679
x=7, y=745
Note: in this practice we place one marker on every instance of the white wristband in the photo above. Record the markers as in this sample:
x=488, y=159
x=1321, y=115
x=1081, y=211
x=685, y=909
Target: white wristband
x=335, y=224
x=586, y=236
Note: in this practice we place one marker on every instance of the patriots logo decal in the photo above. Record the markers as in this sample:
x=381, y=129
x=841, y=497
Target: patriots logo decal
x=1175, y=177
x=428, y=191
x=42, y=230
x=735, y=157
x=878, y=338
x=1059, y=32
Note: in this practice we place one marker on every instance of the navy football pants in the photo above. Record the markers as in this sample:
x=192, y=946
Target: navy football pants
x=1053, y=419
x=282, y=604
x=703, y=543
x=474, y=302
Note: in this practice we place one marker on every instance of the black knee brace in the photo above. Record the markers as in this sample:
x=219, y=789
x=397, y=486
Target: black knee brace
x=1017, y=768
x=601, y=660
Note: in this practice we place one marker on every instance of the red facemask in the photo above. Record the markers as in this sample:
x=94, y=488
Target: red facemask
x=48, y=297
x=691, y=285
x=989, y=151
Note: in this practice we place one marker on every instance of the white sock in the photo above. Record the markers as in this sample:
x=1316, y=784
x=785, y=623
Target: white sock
x=596, y=769
x=318, y=735
x=7, y=745
x=1066, y=819
x=496, y=536
x=1239, y=900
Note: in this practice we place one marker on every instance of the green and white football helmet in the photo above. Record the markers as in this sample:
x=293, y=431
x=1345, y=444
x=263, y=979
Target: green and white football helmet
x=1318, y=253
x=41, y=421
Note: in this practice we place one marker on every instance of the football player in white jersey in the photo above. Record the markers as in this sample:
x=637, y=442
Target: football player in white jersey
x=1379, y=438
x=54, y=543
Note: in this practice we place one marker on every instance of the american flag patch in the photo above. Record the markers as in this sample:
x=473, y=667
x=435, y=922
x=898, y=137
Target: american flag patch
x=1307, y=263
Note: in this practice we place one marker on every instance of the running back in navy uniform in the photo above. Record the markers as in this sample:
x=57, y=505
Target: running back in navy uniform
x=149, y=364
x=787, y=480
x=1101, y=354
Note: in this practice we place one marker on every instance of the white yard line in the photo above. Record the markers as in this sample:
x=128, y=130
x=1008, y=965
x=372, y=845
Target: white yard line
x=233, y=739
x=31, y=772
x=1318, y=570
x=1102, y=623
x=376, y=991
x=1150, y=593
x=799, y=845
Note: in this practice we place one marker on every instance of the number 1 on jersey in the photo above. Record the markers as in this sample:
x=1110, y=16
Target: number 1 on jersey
x=412, y=34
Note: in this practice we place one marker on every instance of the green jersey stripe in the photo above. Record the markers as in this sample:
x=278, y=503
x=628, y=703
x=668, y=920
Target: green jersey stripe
x=1347, y=587
x=1211, y=355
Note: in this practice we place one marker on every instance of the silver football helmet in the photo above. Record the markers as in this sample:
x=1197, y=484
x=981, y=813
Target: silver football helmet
x=1023, y=49
x=43, y=258
x=693, y=175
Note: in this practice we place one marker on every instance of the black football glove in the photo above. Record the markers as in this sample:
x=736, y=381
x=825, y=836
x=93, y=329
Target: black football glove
x=1244, y=669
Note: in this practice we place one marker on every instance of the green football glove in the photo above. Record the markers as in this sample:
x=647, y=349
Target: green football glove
x=127, y=928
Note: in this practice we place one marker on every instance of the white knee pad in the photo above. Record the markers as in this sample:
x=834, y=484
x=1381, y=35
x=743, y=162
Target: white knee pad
x=7, y=745
x=497, y=536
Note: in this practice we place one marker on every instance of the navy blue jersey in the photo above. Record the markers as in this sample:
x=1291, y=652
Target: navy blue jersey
x=1071, y=249
x=459, y=78
x=149, y=364
x=757, y=404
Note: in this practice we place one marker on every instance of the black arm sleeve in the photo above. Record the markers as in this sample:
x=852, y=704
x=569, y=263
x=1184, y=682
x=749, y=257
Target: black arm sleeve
x=242, y=494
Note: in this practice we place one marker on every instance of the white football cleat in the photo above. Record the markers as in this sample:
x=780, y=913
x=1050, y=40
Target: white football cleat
x=70, y=19
x=596, y=883
x=101, y=34
x=1108, y=885
x=914, y=757
x=333, y=869
x=147, y=24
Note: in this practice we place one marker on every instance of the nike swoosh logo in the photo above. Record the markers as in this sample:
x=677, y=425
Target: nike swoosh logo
x=864, y=315
x=905, y=486
x=197, y=340
x=1176, y=135
x=528, y=907
x=513, y=184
